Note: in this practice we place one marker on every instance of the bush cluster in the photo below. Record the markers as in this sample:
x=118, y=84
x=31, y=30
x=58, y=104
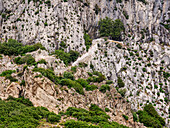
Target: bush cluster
x=88, y=41
x=12, y=47
x=120, y=82
x=95, y=115
x=67, y=58
x=96, y=77
x=150, y=118
x=28, y=59
x=110, y=28
x=72, y=84
x=20, y=113
x=7, y=75
x=103, y=88
x=48, y=73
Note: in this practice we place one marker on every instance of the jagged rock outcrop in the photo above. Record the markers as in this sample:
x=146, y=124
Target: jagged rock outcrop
x=56, y=21
x=143, y=68
x=42, y=92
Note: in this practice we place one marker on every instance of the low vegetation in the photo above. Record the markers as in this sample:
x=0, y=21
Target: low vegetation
x=7, y=75
x=150, y=118
x=20, y=113
x=67, y=58
x=12, y=47
x=95, y=115
x=111, y=29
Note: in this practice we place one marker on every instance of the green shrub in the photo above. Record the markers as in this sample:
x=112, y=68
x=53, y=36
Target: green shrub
x=109, y=82
x=22, y=100
x=54, y=118
x=28, y=59
x=148, y=120
x=107, y=110
x=110, y=28
x=19, y=113
x=135, y=118
x=22, y=83
x=67, y=58
x=151, y=111
x=150, y=117
x=74, y=69
x=68, y=75
x=48, y=73
x=120, y=82
x=12, y=47
x=7, y=75
x=122, y=92
x=94, y=115
x=125, y=117
x=91, y=87
x=7, y=72
x=78, y=124
x=72, y=84
x=83, y=82
x=103, y=88
x=42, y=61
x=88, y=41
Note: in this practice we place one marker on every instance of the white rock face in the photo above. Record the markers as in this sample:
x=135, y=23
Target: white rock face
x=59, y=21
x=142, y=70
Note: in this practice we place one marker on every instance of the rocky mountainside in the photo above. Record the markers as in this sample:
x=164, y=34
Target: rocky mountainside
x=77, y=66
x=53, y=21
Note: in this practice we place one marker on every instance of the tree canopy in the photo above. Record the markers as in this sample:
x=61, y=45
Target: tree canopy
x=111, y=29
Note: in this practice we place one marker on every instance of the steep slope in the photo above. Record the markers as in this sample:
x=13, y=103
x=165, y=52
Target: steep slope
x=53, y=21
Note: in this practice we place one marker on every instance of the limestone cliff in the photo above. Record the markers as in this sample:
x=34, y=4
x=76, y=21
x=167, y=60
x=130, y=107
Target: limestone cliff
x=53, y=21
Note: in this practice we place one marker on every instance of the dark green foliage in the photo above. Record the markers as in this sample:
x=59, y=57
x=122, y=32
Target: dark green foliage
x=67, y=58
x=68, y=75
x=7, y=72
x=19, y=113
x=151, y=111
x=74, y=69
x=88, y=41
x=144, y=1
x=54, y=118
x=100, y=77
x=83, y=82
x=111, y=125
x=94, y=115
x=62, y=44
x=110, y=28
x=72, y=84
x=148, y=120
x=122, y=92
x=167, y=26
x=103, y=88
x=107, y=110
x=109, y=82
x=22, y=83
x=91, y=87
x=125, y=117
x=48, y=73
x=28, y=59
x=135, y=118
x=12, y=47
x=120, y=82
x=22, y=100
x=97, y=9
x=78, y=124
x=119, y=1
x=42, y=61
x=7, y=75
x=166, y=75
x=150, y=117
